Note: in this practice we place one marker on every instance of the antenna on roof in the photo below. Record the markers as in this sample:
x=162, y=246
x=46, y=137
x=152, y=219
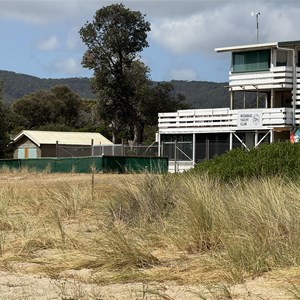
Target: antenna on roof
x=256, y=14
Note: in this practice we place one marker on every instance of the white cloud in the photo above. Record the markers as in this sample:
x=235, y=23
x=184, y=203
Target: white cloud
x=183, y=74
x=43, y=12
x=181, y=27
x=226, y=25
x=69, y=66
x=49, y=44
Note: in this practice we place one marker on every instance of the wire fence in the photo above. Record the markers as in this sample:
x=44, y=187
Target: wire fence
x=113, y=150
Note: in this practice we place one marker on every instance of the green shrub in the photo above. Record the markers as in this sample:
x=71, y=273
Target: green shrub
x=280, y=158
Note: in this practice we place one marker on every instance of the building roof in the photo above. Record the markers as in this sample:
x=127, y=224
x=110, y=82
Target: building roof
x=289, y=44
x=65, y=138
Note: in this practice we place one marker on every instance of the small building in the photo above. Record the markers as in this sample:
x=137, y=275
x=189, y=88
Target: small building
x=36, y=144
x=264, y=105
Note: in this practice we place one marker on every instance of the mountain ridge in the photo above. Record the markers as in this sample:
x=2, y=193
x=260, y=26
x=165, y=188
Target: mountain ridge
x=199, y=94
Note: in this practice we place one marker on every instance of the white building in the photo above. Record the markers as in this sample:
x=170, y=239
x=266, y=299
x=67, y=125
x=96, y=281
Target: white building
x=264, y=88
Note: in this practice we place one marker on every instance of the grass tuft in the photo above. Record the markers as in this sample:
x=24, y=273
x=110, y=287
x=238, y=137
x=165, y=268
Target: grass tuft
x=118, y=248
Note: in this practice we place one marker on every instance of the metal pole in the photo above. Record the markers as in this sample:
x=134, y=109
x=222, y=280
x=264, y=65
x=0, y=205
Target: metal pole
x=194, y=149
x=257, y=29
x=175, y=156
x=159, y=145
x=257, y=35
x=255, y=139
x=271, y=136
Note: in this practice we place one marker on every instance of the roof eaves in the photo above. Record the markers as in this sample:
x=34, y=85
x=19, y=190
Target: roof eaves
x=24, y=133
x=247, y=47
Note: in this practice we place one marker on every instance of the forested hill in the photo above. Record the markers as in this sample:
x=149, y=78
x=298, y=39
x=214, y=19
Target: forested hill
x=203, y=94
x=17, y=85
x=199, y=94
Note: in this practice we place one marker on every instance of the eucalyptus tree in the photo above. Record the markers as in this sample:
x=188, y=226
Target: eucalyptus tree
x=114, y=40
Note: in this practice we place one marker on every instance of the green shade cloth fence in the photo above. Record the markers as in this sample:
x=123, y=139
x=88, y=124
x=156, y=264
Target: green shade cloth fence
x=114, y=164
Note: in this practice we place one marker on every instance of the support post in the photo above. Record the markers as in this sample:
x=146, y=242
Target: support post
x=272, y=98
x=271, y=136
x=255, y=138
x=207, y=148
x=159, y=145
x=175, y=156
x=194, y=149
x=231, y=99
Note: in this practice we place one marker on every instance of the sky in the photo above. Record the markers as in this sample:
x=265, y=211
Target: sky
x=40, y=37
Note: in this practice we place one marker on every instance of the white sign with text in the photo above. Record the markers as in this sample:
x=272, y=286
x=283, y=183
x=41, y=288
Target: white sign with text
x=249, y=119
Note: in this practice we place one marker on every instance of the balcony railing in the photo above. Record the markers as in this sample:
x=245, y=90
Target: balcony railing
x=224, y=120
x=276, y=77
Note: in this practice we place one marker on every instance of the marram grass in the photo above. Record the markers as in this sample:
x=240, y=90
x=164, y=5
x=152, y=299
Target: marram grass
x=250, y=226
x=143, y=223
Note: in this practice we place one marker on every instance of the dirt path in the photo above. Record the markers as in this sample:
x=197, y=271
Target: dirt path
x=34, y=287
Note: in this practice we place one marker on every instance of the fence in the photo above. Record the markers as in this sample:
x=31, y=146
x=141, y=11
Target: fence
x=99, y=150
x=115, y=164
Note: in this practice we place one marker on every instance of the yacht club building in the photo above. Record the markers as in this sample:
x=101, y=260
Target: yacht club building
x=264, y=104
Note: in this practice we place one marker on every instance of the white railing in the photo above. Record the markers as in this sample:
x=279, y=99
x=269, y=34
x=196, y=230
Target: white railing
x=223, y=120
x=276, y=77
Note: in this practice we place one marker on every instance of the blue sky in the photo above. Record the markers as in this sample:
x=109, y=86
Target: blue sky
x=40, y=37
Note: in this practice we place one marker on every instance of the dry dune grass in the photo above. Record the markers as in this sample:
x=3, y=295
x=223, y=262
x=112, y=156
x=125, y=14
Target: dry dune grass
x=167, y=237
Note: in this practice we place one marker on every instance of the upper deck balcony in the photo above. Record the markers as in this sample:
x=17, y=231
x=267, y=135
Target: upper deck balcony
x=224, y=120
x=264, y=67
x=275, y=78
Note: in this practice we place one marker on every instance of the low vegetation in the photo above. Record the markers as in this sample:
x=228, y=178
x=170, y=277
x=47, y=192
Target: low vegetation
x=186, y=228
x=281, y=158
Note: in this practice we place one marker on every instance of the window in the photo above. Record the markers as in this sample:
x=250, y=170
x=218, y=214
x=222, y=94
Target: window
x=248, y=61
x=27, y=153
x=282, y=58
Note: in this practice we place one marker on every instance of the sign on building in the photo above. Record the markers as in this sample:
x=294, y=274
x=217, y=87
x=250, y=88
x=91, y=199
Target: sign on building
x=249, y=120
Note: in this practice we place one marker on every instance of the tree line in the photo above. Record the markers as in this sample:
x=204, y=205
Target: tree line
x=61, y=109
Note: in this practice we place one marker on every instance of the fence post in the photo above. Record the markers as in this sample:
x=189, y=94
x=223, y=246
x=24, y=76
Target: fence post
x=123, y=147
x=207, y=148
x=175, y=156
x=56, y=149
x=92, y=147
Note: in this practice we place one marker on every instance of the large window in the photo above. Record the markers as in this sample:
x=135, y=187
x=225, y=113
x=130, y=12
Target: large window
x=248, y=61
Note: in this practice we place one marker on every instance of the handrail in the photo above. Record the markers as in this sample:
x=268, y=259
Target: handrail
x=223, y=118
